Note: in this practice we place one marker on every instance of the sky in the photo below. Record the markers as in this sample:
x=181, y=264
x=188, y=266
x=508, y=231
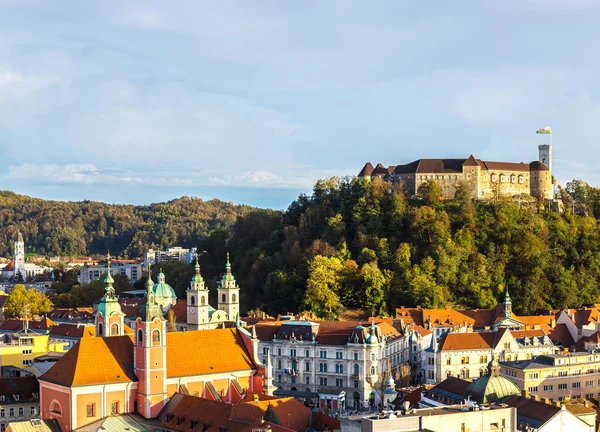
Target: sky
x=253, y=101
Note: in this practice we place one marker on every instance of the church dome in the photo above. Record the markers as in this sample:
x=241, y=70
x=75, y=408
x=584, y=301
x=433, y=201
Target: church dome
x=163, y=290
x=491, y=387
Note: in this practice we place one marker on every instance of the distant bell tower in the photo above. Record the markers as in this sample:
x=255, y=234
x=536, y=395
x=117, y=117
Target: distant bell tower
x=197, y=301
x=20, y=257
x=229, y=293
x=545, y=152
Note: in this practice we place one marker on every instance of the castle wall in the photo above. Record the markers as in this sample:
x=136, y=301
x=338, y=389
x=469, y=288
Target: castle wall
x=503, y=183
x=448, y=182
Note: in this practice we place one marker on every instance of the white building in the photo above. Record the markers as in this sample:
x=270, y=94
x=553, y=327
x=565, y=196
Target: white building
x=130, y=268
x=176, y=253
x=341, y=364
x=18, y=268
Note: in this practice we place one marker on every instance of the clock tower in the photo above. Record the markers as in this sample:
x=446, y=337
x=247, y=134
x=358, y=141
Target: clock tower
x=545, y=153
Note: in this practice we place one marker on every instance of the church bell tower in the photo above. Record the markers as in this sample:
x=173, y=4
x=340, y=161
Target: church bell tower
x=197, y=301
x=229, y=293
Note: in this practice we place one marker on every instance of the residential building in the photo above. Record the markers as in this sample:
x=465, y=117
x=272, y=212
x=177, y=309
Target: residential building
x=130, y=268
x=19, y=400
x=140, y=372
x=559, y=377
x=171, y=254
x=336, y=364
x=19, y=349
x=442, y=419
x=467, y=355
x=487, y=180
x=184, y=412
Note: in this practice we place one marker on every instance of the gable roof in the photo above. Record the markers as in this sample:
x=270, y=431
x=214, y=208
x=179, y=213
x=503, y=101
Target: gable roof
x=79, y=366
x=21, y=387
x=13, y=325
x=72, y=331
x=466, y=341
x=206, y=352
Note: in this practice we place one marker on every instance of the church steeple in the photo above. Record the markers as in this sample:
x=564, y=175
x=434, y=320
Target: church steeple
x=228, y=293
x=109, y=317
x=507, y=305
x=197, y=301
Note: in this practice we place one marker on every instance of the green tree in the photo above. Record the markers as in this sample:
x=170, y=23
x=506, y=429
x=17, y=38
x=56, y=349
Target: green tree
x=430, y=192
x=322, y=287
x=23, y=303
x=375, y=286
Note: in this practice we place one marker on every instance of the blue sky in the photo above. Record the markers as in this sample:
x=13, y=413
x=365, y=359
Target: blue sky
x=253, y=101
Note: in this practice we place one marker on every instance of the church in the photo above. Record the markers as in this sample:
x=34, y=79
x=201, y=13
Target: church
x=18, y=270
x=124, y=370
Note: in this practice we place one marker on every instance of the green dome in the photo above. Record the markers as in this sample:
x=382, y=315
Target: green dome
x=491, y=387
x=108, y=279
x=163, y=290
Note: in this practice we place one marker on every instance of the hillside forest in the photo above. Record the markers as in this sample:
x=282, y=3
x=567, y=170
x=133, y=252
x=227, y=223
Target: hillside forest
x=355, y=244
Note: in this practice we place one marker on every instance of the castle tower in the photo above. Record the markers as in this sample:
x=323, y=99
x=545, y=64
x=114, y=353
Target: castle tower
x=507, y=305
x=150, y=355
x=545, y=155
x=20, y=258
x=197, y=301
x=109, y=317
x=229, y=293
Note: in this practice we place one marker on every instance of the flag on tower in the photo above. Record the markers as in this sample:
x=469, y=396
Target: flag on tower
x=545, y=130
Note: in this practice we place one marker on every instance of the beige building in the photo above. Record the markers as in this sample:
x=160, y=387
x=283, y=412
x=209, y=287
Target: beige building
x=447, y=418
x=557, y=376
x=487, y=179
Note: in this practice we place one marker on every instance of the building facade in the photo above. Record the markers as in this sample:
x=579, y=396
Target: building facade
x=130, y=268
x=19, y=400
x=176, y=253
x=558, y=377
x=19, y=270
x=486, y=179
x=342, y=364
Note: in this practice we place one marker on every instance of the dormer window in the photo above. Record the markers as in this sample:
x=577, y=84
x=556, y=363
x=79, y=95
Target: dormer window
x=16, y=396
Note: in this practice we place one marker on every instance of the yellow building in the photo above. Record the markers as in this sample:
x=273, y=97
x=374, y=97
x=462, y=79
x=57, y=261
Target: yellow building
x=557, y=376
x=19, y=349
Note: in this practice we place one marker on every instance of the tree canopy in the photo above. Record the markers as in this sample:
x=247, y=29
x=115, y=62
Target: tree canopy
x=24, y=303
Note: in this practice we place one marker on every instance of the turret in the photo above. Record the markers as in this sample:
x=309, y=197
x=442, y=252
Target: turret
x=150, y=355
x=197, y=301
x=109, y=317
x=507, y=305
x=229, y=293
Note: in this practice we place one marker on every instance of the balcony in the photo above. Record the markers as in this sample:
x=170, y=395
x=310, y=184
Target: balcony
x=356, y=377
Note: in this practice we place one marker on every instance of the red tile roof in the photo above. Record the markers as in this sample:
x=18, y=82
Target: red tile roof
x=462, y=341
x=72, y=330
x=33, y=324
x=23, y=387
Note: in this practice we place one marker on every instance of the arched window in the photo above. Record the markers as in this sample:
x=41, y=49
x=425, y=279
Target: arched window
x=55, y=408
x=202, y=301
x=155, y=337
x=448, y=374
x=233, y=298
x=100, y=329
x=464, y=373
x=193, y=300
x=373, y=371
x=140, y=337
x=114, y=330
x=223, y=298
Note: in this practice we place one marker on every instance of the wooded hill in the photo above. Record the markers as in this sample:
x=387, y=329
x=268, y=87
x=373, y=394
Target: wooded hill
x=357, y=244
x=87, y=227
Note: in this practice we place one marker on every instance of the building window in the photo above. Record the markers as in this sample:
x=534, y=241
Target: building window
x=265, y=350
x=373, y=370
x=114, y=330
x=576, y=385
x=355, y=384
x=89, y=410
x=278, y=364
x=307, y=380
x=532, y=389
x=233, y=298
x=140, y=337
x=55, y=408
x=562, y=386
x=307, y=354
x=338, y=355
x=307, y=366
x=278, y=351
x=155, y=337
x=193, y=300
x=355, y=356
x=448, y=360
x=355, y=370
x=202, y=300
x=323, y=354
x=278, y=378
x=100, y=329
x=2, y=413
x=548, y=388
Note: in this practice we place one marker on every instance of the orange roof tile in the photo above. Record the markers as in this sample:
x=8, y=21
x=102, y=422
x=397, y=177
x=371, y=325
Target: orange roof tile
x=79, y=366
x=460, y=341
x=188, y=353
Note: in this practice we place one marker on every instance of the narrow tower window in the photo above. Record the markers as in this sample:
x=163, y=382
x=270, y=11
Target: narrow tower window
x=223, y=298
x=100, y=329
x=233, y=298
x=193, y=300
x=155, y=337
x=202, y=301
x=114, y=330
x=140, y=337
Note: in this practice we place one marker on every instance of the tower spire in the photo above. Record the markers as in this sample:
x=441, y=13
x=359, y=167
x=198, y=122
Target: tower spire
x=507, y=304
x=108, y=280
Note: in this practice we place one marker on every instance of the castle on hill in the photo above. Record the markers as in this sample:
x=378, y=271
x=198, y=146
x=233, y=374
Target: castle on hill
x=487, y=180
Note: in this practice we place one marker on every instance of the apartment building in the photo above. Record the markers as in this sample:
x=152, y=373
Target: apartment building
x=19, y=400
x=341, y=364
x=176, y=253
x=558, y=377
x=130, y=268
x=20, y=349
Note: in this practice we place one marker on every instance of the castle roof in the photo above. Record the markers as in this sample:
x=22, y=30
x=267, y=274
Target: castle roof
x=367, y=170
x=380, y=169
x=187, y=355
x=538, y=166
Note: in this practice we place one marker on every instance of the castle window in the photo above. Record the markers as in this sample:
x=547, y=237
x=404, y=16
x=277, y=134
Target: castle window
x=89, y=410
x=202, y=301
x=502, y=178
x=100, y=329
x=193, y=300
x=155, y=337
x=521, y=179
x=223, y=298
x=468, y=176
x=140, y=337
x=513, y=178
x=494, y=177
x=114, y=330
x=233, y=298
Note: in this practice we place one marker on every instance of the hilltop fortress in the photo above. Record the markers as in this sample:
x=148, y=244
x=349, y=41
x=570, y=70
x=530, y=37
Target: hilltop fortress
x=487, y=179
